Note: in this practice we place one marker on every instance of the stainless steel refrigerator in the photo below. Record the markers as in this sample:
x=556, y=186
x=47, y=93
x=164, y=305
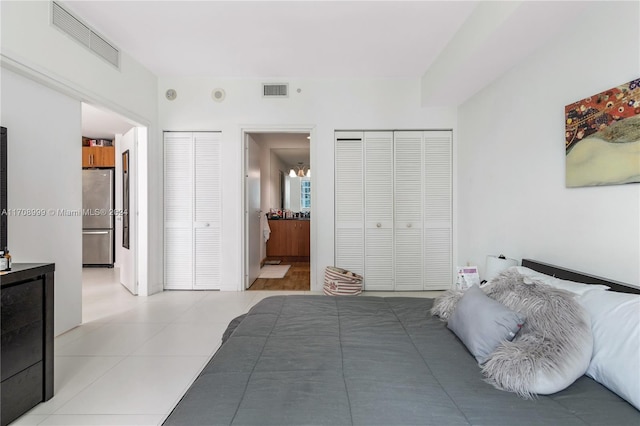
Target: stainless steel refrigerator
x=97, y=217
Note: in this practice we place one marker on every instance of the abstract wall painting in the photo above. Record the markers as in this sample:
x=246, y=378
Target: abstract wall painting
x=602, y=137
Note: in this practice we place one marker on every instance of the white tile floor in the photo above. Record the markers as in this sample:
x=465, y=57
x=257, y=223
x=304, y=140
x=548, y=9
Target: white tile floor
x=133, y=358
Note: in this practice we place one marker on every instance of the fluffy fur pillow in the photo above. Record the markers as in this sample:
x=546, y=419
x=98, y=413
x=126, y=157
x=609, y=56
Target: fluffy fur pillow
x=552, y=349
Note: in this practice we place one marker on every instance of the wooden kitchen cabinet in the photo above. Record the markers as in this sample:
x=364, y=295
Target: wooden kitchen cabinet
x=98, y=156
x=289, y=238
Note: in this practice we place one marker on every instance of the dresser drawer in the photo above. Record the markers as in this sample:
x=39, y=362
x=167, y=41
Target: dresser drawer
x=21, y=305
x=20, y=393
x=21, y=348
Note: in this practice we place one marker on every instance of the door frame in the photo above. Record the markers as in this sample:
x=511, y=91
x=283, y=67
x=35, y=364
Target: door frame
x=135, y=219
x=244, y=247
x=250, y=238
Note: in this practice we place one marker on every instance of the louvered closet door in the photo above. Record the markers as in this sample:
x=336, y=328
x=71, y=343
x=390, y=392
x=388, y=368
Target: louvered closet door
x=192, y=210
x=349, y=201
x=378, y=183
x=207, y=212
x=408, y=179
x=438, y=268
x=178, y=211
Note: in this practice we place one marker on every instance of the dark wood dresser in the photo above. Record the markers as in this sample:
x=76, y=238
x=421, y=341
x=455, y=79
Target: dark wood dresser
x=26, y=364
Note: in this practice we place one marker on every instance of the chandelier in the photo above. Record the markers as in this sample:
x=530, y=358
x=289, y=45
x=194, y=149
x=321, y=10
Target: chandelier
x=300, y=172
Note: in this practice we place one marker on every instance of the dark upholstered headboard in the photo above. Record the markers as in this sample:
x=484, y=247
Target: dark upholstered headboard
x=568, y=274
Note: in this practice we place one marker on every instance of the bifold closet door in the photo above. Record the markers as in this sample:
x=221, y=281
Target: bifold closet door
x=192, y=210
x=409, y=209
x=178, y=211
x=423, y=210
x=393, y=208
x=207, y=211
x=349, y=201
x=378, y=211
x=438, y=215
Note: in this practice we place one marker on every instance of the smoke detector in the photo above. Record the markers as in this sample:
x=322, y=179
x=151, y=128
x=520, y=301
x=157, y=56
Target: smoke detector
x=218, y=95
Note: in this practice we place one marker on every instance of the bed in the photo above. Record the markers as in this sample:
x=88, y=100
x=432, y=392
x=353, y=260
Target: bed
x=319, y=360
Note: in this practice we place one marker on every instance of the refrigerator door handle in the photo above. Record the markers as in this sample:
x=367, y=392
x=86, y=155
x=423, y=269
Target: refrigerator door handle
x=95, y=232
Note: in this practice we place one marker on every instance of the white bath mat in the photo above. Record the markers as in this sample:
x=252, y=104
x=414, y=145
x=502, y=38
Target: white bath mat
x=274, y=271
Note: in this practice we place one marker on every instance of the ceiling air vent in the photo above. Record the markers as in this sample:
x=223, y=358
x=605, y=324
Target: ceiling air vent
x=83, y=34
x=275, y=90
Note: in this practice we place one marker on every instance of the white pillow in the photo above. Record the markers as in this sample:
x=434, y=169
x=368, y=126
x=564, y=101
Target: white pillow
x=615, y=323
x=573, y=287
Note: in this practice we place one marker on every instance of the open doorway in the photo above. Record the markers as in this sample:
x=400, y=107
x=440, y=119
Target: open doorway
x=278, y=208
x=110, y=250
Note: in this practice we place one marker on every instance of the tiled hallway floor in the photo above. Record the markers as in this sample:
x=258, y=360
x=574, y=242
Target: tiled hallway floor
x=133, y=358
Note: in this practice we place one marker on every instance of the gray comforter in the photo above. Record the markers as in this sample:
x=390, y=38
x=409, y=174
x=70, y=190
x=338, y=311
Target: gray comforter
x=319, y=360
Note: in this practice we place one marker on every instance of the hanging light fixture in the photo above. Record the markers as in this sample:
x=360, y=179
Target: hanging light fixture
x=300, y=172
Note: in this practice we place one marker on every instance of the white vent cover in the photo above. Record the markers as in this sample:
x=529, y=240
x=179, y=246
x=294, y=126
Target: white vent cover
x=275, y=90
x=84, y=34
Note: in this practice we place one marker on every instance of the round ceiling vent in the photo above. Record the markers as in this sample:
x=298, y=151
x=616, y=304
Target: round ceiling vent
x=218, y=95
x=171, y=94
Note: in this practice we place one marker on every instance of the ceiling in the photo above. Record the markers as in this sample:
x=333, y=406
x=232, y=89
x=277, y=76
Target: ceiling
x=306, y=39
x=101, y=124
x=455, y=47
x=292, y=157
x=292, y=148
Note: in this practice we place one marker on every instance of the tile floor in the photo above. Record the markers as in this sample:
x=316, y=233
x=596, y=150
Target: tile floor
x=133, y=358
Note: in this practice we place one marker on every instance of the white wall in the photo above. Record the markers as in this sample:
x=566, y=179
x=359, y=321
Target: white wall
x=44, y=172
x=32, y=47
x=30, y=39
x=325, y=106
x=512, y=195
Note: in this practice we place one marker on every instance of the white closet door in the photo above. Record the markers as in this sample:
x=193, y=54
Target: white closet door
x=178, y=211
x=207, y=212
x=178, y=258
x=349, y=201
x=394, y=208
x=206, y=258
x=378, y=183
x=408, y=179
x=192, y=209
x=438, y=268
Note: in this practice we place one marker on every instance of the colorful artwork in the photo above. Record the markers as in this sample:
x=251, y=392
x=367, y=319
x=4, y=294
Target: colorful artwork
x=602, y=137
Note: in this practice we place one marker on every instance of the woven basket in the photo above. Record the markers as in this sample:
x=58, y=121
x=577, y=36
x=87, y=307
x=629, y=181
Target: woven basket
x=340, y=282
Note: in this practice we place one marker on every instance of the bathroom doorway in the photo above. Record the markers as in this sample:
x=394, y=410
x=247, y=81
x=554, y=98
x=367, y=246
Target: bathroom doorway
x=278, y=208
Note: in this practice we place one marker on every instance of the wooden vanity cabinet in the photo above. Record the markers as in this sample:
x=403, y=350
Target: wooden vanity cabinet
x=289, y=238
x=98, y=156
x=302, y=233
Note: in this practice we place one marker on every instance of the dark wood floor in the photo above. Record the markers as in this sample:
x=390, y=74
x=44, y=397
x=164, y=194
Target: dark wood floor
x=298, y=277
